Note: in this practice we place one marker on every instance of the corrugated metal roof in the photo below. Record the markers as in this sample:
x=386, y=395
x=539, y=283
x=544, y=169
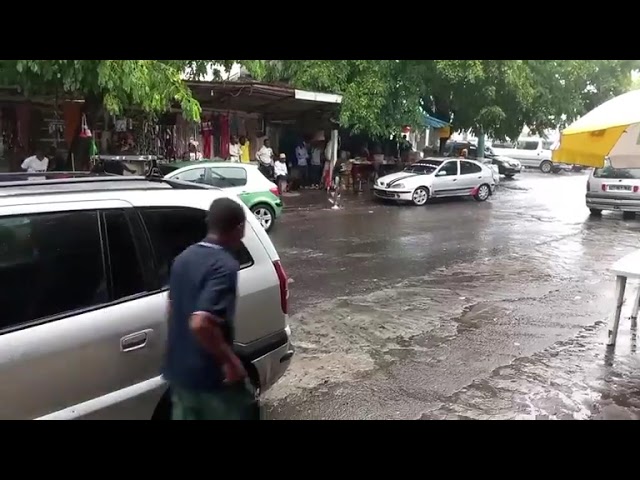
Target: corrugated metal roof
x=433, y=122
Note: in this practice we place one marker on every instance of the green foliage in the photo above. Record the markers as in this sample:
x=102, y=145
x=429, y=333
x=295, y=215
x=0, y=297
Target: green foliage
x=152, y=85
x=497, y=97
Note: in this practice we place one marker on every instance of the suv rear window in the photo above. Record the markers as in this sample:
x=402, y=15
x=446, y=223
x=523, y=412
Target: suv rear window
x=617, y=173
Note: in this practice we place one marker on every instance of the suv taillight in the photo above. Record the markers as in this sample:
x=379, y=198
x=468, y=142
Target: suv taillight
x=588, y=186
x=635, y=189
x=284, y=286
x=603, y=188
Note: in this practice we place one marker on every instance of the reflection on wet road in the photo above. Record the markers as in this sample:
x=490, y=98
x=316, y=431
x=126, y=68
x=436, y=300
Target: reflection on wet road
x=458, y=309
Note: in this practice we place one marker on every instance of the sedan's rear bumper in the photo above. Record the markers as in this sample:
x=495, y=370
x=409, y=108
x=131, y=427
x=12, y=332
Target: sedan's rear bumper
x=609, y=201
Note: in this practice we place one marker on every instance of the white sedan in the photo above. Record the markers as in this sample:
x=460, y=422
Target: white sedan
x=435, y=178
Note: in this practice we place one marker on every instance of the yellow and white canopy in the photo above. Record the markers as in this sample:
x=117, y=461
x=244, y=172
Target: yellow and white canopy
x=611, y=130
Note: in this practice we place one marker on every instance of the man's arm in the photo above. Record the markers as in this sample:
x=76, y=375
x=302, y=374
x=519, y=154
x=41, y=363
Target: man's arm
x=206, y=324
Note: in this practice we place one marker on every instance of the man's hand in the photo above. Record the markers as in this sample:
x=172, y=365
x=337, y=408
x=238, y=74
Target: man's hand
x=234, y=371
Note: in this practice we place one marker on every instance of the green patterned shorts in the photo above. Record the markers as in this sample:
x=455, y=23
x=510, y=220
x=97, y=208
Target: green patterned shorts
x=236, y=402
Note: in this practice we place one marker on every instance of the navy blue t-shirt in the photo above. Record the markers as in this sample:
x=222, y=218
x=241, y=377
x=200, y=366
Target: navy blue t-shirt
x=204, y=278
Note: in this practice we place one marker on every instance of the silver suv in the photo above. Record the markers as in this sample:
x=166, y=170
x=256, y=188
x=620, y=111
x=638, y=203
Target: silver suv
x=84, y=264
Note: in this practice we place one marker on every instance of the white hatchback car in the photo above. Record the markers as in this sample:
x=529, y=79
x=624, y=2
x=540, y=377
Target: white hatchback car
x=437, y=177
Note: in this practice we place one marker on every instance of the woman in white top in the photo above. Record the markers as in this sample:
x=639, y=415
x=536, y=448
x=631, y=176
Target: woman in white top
x=235, y=150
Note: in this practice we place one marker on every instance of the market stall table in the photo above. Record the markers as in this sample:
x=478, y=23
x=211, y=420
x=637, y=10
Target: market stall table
x=625, y=268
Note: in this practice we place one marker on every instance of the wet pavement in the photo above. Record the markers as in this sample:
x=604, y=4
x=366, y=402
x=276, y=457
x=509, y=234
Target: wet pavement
x=457, y=310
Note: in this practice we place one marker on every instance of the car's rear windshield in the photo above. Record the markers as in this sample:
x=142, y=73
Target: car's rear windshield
x=617, y=173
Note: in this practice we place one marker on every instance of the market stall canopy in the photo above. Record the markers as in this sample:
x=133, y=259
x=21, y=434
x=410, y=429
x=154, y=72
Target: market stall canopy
x=276, y=102
x=434, y=122
x=611, y=130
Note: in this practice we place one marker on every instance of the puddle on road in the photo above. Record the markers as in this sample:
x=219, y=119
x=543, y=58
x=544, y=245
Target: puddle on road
x=575, y=379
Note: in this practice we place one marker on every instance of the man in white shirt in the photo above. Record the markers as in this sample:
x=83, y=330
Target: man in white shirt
x=265, y=159
x=36, y=164
x=235, y=150
x=302, y=156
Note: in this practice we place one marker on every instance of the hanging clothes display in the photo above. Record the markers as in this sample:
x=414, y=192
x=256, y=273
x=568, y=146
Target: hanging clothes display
x=181, y=137
x=23, y=116
x=224, y=136
x=206, y=130
x=72, y=114
x=215, y=132
x=234, y=125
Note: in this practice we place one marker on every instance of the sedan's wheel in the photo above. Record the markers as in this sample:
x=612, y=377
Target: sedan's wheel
x=420, y=196
x=628, y=215
x=508, y=175
x=546, y=166
x=265, y=215
x=596, y=212
x=484, y=191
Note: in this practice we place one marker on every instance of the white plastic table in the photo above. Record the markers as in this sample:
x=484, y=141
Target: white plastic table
x=625, y=268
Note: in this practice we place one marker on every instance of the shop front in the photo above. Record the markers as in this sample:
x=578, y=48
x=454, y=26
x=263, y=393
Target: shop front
x=285, y=116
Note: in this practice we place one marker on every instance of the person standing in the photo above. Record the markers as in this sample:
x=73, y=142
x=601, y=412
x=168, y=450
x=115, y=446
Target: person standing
x=265, y=159
x=302, y=156
x=37, y=163
x=281, y=172
x=245, y=150
x=206, y=378
x=315, y=169
x=234, y=150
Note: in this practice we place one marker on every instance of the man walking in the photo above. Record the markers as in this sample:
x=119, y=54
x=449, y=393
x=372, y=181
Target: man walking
x=206, y=378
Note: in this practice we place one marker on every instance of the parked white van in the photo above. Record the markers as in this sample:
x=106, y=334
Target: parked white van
x=533, y=152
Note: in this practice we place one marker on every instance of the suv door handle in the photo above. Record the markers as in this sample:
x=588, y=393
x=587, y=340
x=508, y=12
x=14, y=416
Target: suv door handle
x=135, y=341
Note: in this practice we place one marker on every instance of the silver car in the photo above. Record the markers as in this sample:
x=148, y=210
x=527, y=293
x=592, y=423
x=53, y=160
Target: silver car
x=84, y=264
x=616, y=189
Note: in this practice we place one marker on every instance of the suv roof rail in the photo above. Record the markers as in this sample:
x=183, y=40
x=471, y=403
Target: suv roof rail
x=87, y=178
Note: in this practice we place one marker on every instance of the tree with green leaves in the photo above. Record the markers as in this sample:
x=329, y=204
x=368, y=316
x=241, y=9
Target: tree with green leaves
x=150, y=85
x=496, y=97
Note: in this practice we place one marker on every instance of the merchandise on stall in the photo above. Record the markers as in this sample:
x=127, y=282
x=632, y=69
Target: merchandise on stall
x=224, y=136
x=206, y=131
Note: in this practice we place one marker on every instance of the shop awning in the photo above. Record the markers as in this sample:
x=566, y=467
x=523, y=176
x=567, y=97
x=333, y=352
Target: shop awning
x=276, y=102
x=434, y=122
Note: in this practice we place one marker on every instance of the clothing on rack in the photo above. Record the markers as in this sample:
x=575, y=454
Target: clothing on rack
x=181, y=143
x=23, y=116
x=72, y=112
x=206, y=130
x=224, y=136
x=234, y=125
x=215, y=133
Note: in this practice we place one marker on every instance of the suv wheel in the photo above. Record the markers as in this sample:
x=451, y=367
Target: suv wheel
x=596, y=212
x=546, y=166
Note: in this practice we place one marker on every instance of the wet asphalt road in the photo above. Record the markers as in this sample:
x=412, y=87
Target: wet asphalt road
x=459, y=309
